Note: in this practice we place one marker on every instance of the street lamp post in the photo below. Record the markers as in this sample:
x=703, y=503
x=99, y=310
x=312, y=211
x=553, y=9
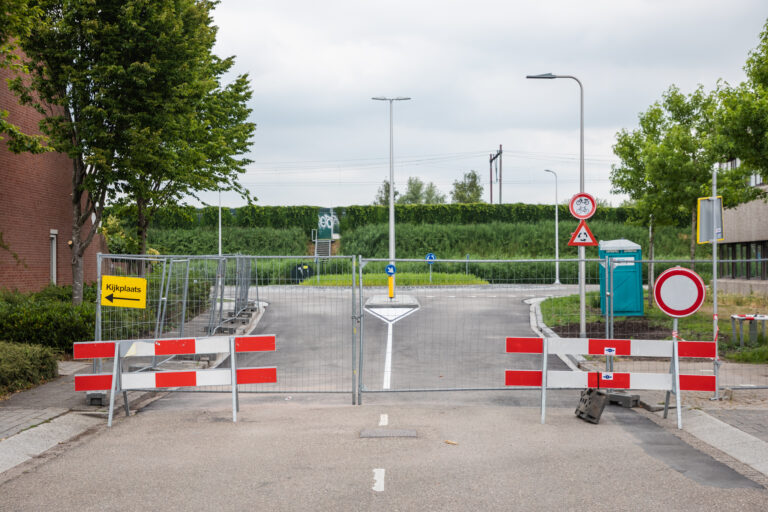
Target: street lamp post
x=557, y=237
x=391, y=177
x=582, y=251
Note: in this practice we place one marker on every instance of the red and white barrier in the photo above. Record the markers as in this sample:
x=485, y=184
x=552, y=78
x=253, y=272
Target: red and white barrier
x=123, y=381
x=612, y=347
x=670, y=382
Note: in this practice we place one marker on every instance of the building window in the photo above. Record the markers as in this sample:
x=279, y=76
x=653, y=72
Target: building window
x=52, y=239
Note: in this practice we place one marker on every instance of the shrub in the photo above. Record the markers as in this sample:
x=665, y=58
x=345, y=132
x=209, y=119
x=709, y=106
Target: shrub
x=52, y=324
x=23, y=366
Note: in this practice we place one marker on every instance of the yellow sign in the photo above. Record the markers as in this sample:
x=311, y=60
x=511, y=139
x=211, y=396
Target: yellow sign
x=124, y=292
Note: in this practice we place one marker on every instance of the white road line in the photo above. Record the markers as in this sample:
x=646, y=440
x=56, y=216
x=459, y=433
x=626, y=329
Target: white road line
x=383, y=420
x=388, y=359
x=378, y=480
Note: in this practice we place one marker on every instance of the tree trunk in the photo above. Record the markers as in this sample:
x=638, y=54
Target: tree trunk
x=693, y=239
x=141, y=231
x=142, y=224
x=77, y=262
x=651, y=275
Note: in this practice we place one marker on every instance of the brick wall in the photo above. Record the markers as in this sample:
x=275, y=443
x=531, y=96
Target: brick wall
x=35, y=195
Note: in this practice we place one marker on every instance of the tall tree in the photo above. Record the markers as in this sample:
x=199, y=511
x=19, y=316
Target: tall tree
x=417, y=192
x=193, y=128
x=18, y=19
x=468, y=189
x=432, y=195
x=742, y=118
x=99, y=72
x=666, y=164
x=382, y=195
x=414, y=192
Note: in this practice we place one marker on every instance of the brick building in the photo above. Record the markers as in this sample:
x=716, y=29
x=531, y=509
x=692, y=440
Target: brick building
x=35, y=210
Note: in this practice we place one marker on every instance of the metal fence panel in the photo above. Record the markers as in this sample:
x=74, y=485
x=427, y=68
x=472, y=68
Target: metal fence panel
x=197, y=296
x=454, y=337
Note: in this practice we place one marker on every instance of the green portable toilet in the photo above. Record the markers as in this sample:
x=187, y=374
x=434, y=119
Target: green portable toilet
x=627, y=277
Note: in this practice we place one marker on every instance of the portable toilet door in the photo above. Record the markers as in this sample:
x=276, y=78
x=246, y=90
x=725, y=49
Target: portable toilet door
x=627, y=277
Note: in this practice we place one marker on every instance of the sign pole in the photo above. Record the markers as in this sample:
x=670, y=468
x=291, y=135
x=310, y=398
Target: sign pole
x=676, y=377
x=716, y=362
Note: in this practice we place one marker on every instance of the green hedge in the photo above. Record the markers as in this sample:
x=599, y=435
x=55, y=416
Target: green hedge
x=23, y=366
x=235, y=240
x=304, y=218
x=52, y=324
x=508, y=240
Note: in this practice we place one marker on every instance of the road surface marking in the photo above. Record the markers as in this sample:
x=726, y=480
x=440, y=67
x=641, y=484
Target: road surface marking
x=383, y=420
x=388, y=359
x=378, y=480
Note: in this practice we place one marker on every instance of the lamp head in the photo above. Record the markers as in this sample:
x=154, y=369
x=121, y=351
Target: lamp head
x=544, y=76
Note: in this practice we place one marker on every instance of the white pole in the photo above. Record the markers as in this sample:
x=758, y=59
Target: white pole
x=391, y=189
x=219, y=222
x=715, y=215
x=582, y=250
x=391, y=177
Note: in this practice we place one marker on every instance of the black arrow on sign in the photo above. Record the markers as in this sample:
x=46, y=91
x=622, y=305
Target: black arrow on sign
x=111, y=298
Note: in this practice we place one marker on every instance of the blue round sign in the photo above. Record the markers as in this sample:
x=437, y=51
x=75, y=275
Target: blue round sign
x=390, y=270
x=430, y=258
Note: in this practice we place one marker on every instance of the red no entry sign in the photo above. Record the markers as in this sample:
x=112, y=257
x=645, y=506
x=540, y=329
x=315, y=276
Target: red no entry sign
x=679, y=292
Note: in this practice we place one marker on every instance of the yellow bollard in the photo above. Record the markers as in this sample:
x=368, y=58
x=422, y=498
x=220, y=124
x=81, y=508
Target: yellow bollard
x=391, y=287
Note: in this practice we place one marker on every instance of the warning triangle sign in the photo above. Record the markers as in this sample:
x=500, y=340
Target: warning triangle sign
x=582, y=236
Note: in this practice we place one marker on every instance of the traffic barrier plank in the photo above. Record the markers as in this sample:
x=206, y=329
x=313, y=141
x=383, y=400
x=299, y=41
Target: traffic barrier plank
x=525, y=345
x=697, y=383
x=97, y=382
x=174, y=347
x=706, y=349
x=93, y=350
x=523, y=378
x=257, y=375
x=611, y=347
x=262, y=343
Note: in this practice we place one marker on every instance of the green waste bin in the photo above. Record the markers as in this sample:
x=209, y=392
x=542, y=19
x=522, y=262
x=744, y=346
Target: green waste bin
x=627, y=277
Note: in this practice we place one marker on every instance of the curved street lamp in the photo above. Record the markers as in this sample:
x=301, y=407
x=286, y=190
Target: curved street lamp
x=582, y=251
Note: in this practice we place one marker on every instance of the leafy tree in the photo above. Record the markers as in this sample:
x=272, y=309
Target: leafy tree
x=382, y=195
x=666, y=164
x=742, y=119
x=414, y=192
x=19, y=18
x=195, y=130
x=131, y=120
x=468, y=189
x=432, y=195
x=417, y=193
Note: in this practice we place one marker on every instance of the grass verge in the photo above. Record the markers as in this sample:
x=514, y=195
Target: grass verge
x=403, y=279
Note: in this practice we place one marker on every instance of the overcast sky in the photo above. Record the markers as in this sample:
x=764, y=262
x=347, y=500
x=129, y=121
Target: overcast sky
x=314, y=67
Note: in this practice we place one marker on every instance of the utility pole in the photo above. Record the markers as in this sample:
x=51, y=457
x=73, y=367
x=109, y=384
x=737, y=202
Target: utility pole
x=491, y=159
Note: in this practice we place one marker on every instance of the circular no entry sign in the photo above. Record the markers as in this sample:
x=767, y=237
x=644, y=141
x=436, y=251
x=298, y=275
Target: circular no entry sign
x=679, y=292
x=582, y=206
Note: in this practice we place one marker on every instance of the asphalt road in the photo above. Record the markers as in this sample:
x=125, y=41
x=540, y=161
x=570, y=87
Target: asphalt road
x=319, y=453
x=475, y=449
